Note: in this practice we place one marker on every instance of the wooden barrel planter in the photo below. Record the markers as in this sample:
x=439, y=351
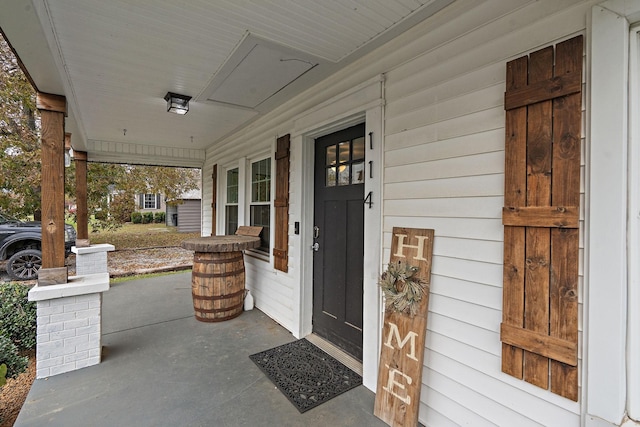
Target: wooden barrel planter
x=218, y=277
x=217, y=285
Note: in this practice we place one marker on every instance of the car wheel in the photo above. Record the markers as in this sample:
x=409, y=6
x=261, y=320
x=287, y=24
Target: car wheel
x=24, y=265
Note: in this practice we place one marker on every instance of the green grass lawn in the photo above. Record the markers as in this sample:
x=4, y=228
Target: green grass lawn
x=131, y=236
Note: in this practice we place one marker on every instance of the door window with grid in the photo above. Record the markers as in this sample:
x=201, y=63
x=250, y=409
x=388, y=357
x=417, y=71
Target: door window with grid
x=345, y=163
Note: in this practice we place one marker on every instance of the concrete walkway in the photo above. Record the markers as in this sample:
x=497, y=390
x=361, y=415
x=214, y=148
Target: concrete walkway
x=162, y=367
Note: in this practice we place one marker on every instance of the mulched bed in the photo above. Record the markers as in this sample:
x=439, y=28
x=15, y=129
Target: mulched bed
x=14, y=392
x=150, y=260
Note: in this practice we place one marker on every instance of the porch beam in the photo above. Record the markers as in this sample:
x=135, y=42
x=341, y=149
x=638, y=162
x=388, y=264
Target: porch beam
x=52, y=113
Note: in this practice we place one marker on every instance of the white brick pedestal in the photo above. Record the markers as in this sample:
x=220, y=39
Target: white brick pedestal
x=69, y=322
x=92, y=259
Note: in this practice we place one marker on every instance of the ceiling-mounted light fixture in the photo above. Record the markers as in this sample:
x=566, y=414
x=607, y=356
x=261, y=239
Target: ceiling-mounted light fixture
x=177, y=103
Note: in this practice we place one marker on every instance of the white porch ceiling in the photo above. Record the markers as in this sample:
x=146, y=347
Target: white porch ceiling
x=115, y=60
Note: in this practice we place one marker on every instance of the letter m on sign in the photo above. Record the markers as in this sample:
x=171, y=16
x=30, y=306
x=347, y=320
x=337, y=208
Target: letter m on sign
x=402, y=353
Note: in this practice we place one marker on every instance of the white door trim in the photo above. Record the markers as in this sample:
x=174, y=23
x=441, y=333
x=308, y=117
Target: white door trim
x=363, y=103
x=633, y=260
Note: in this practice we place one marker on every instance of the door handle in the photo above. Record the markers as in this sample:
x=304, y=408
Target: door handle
x=316, y=247
x=316, y=231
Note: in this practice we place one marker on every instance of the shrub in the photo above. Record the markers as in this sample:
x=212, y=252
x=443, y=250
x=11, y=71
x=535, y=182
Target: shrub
x=9, y=356
x=136, y=217
x=101, y=215
x=108, y=224
x=158, y=217
x=17, y=315
x=147, y=217
x=3, y=377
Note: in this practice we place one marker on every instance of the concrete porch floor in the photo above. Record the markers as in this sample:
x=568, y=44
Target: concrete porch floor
x=161, y=367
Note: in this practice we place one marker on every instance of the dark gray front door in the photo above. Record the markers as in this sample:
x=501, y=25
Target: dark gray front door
x=339, y=238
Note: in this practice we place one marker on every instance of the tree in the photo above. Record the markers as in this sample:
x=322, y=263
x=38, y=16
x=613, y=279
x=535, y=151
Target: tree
x=170, y=182
x=111, y=188
x=19, y=143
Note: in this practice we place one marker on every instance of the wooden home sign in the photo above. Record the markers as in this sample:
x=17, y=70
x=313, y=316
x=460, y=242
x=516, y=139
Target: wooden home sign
x=403, y=336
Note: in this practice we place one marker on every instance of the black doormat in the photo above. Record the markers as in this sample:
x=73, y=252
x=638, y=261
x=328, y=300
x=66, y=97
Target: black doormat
x=305, y=374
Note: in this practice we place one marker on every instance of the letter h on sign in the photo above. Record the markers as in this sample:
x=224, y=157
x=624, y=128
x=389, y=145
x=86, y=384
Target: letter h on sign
x=419, y=247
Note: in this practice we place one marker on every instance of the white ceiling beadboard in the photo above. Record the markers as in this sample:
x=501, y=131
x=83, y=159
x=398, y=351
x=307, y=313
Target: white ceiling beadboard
x=117, y=59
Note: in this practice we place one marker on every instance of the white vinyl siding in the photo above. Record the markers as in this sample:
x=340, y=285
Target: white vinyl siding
x=443, y=169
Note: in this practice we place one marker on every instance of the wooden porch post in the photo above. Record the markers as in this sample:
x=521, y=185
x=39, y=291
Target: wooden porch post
x=80, y=157
x=52, y=109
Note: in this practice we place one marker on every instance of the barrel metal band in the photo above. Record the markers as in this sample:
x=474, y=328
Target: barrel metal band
x=218, y=261
x=219, y=310
x=217, y=297
x=225, y=274
x=218, y=319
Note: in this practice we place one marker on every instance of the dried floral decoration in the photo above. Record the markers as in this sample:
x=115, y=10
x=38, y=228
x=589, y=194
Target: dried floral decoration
x=403, y=291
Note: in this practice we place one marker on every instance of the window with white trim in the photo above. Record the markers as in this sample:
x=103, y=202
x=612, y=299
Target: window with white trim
x=150, y=201
x=260, y=205
x=231, y=204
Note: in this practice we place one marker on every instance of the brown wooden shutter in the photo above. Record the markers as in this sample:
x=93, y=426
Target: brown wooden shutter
x=539, y=330
x=214, y=199
x=281, y=203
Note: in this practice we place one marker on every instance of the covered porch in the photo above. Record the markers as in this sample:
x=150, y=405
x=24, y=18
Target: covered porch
x=163, y=367
x=428, y=80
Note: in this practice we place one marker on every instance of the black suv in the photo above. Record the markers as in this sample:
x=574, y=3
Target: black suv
x=21, y=245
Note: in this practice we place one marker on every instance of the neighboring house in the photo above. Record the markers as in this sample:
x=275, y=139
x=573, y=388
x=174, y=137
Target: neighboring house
x=185, y=214
x=511, y=128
